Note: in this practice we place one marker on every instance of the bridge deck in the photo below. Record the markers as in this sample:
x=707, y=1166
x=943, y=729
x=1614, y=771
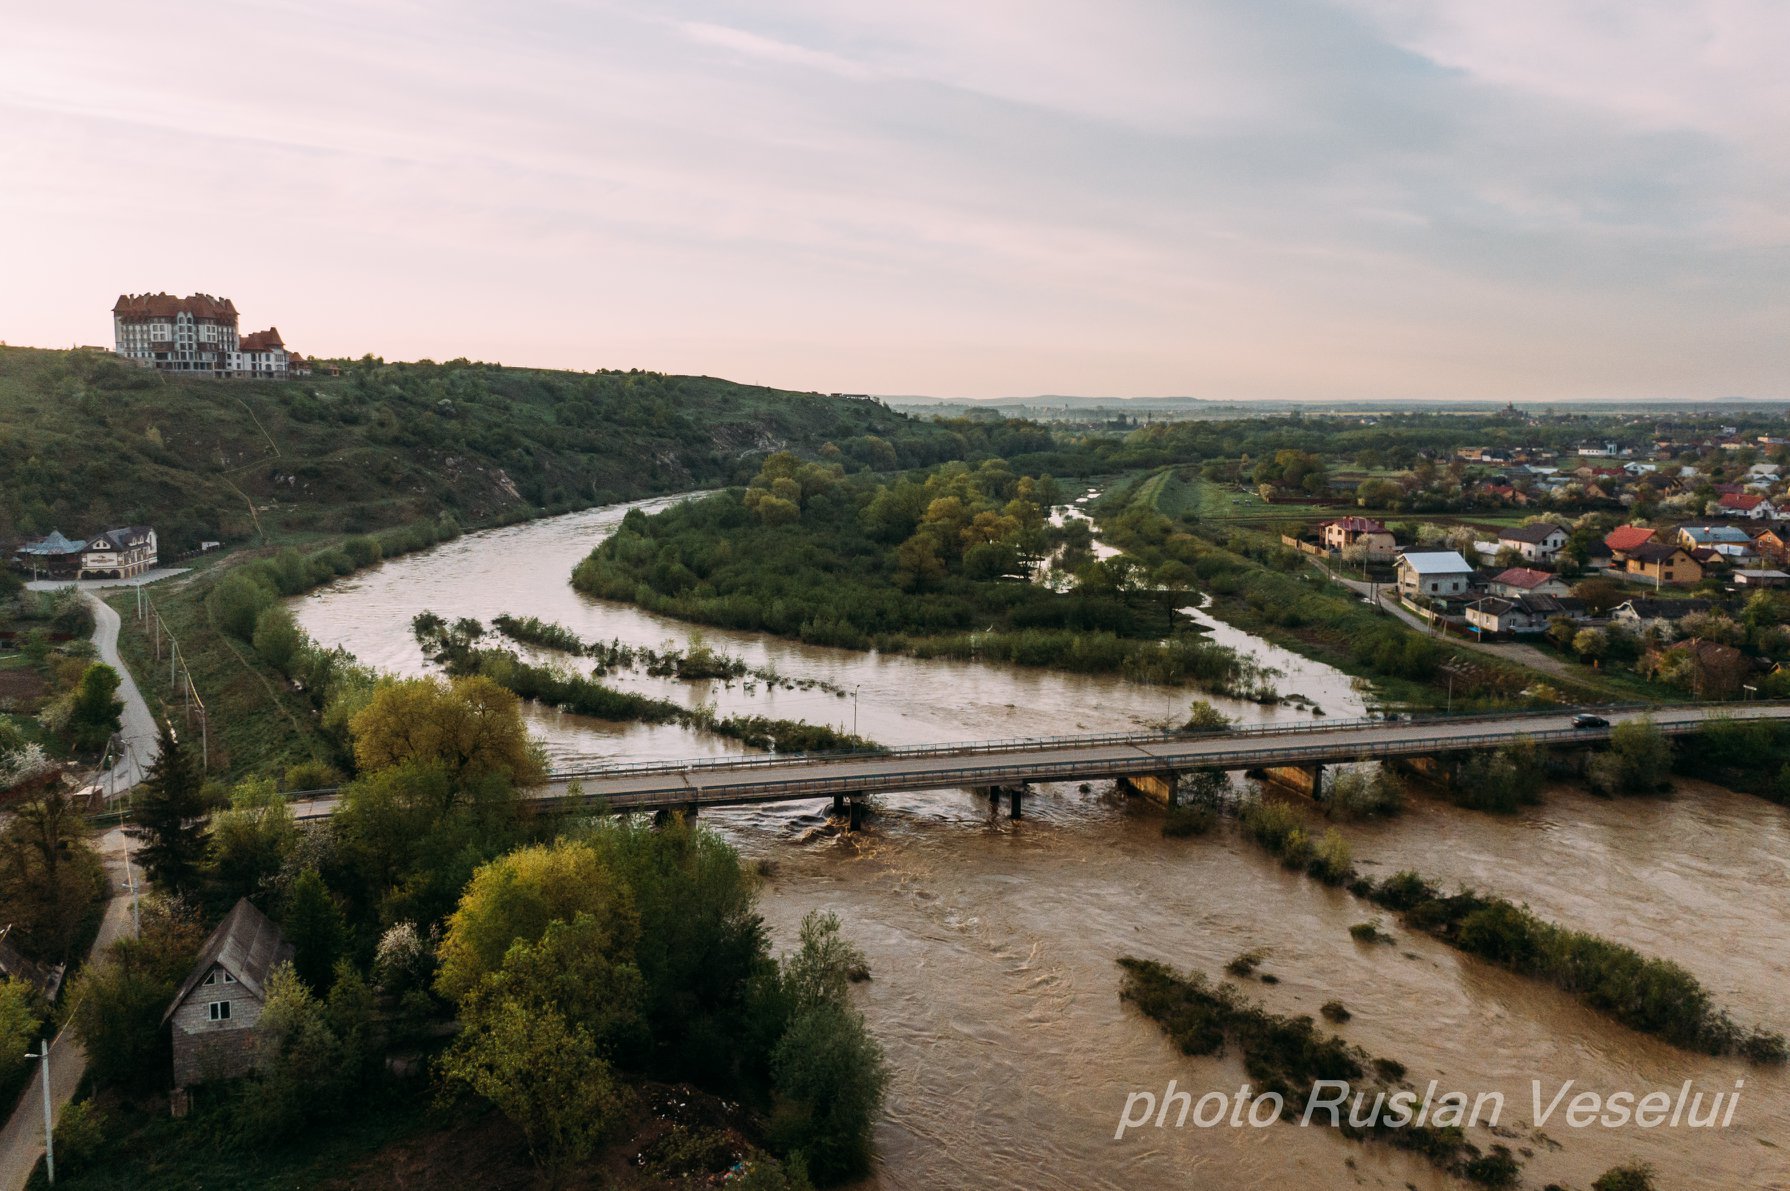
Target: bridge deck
x=737, y=780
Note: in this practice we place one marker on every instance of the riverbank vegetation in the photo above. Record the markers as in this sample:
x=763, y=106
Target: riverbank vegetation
x=1651, y=995
x=940, y=564
x=594, y=970
x=458, y=649
x=1287, y=1056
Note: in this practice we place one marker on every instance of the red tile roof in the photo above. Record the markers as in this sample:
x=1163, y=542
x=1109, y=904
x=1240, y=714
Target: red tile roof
x=1744, y=503
x=167, y=306
x=260, y=341
x=1627, y=537
x=1526, y=578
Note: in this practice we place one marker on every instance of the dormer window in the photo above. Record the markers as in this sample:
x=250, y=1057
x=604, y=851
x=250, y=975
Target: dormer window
x=219, y=976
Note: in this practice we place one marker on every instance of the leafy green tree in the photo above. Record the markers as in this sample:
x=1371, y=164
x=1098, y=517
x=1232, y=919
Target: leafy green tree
x=51, y=882
x=1639, y=760
x=168, y=814
x=516, y=897
x=19, y=1026
x=250, y=840
x=829, y=1077
x=118, y=1002
x=317, y=929
x=94, y=713
x=277, y=638
x=470, y=725
x=541, y=1072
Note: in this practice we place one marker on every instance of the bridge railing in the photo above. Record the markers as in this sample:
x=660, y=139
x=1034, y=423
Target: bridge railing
x=1049, y=743
x=1070, y=769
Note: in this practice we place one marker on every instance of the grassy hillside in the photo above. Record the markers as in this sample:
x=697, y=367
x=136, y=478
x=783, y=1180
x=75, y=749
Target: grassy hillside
x=88, y=442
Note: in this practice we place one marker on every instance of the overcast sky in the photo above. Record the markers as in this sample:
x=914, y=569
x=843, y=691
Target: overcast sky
x=1222, y=198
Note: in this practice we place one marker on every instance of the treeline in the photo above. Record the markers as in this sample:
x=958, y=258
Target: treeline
x=699, y=661
x=939, y=565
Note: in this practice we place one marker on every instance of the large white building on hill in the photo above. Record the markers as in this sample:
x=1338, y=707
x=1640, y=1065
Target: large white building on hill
x=198, y=335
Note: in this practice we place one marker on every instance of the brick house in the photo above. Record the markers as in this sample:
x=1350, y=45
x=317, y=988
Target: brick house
x=1374, y=538
x=213, y=1015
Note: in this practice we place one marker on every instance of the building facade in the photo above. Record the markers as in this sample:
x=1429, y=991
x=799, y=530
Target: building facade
x=197, y=335
x=213, y=1016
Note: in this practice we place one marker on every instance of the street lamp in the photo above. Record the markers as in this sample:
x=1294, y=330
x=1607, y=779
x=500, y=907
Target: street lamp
x=854, y=708
x=49, y=1131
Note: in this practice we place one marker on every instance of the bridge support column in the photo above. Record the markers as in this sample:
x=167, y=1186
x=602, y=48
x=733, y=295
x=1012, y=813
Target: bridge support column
x=1300, y=779
x=1163, y=787
x=1016, y=796
x=839, y=805
x=1438, y=770
x=857, y=813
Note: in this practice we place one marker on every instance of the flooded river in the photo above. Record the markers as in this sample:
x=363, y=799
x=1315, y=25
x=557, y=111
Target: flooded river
x=992, y=943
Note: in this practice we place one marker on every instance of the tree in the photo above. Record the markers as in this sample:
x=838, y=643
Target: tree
x=1590, y=644
x=1202, y=717
x=314, y=924
x=50, y=880
x=541, y=1072
x=828, y=1074
x=515, y=897
x=250, y=840
x=117, y=1003
x=829, y=1077
x=1598, y=595
x=93, y=715
x=19, y=1024
x=1639, y=759
x=278, y=638
x=168, y=816
x=470, y=725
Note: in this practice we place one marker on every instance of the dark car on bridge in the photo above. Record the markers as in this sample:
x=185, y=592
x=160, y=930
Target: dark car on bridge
x=1586, y=720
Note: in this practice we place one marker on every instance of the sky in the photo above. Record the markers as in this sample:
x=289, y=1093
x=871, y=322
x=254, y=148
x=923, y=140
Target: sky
x=1233, y=199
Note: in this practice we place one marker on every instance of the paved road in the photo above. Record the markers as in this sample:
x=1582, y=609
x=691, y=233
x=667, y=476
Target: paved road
x=22, y=1137
x=84, y=585
x=774, y=779
x=138, y=733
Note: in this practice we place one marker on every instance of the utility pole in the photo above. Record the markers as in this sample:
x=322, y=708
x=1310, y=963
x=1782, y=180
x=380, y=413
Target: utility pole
x=49, y=1129
x=854, y=708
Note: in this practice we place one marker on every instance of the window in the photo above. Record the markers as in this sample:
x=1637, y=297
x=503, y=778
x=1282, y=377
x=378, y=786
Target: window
x=220, y=1010
x=219, y=976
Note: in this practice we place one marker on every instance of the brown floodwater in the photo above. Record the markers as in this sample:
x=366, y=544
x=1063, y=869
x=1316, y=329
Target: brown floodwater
x=992, y=943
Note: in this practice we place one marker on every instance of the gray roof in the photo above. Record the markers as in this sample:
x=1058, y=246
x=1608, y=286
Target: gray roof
x=246, y=944
x=1534, y=534
x=1436, y=562
x=123, y=539
x=52, y=545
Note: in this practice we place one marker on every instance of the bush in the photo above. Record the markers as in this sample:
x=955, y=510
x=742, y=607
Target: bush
x=81, y=1136
x=1636, y=1177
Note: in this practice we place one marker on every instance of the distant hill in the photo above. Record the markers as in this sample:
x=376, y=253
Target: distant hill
x=88, y=442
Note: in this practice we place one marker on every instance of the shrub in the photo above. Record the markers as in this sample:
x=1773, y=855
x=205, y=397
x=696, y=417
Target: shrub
x=1635, y=1177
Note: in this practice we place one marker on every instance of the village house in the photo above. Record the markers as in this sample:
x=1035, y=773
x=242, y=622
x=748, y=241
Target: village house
x=213, y=1015
x=1375, y=539
x=1730, y=541
x=119, y=553
x=114, y=554
x=1534, y=543
x=1748, y=504
x=1522, y=581
x=1707, y=669
x=1761, y=577
x=1500, y=615
x=1625, y=538
x=1433, y=574
x=1662, y=564
x=1771, y=543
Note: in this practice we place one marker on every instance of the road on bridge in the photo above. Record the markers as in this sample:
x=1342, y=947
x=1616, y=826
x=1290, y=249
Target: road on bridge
x=733, y=781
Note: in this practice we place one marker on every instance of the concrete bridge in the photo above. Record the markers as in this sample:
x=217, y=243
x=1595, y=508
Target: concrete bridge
x=1147, y=762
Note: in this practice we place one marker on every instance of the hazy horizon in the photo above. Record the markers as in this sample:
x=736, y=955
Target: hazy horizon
x=1331, y=200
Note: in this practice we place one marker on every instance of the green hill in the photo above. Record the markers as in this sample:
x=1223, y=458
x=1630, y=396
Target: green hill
x=88, y=442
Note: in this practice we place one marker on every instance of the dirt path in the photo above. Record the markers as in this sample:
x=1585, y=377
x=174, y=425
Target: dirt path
x=138, y=731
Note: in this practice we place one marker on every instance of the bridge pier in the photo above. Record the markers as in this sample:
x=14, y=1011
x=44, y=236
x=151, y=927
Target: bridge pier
x=1437, y=770
x=839, y=805
x=685, y=814
x=1015, y=798
x=857, y=814
x=1163, y=787
x=1307, y=780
